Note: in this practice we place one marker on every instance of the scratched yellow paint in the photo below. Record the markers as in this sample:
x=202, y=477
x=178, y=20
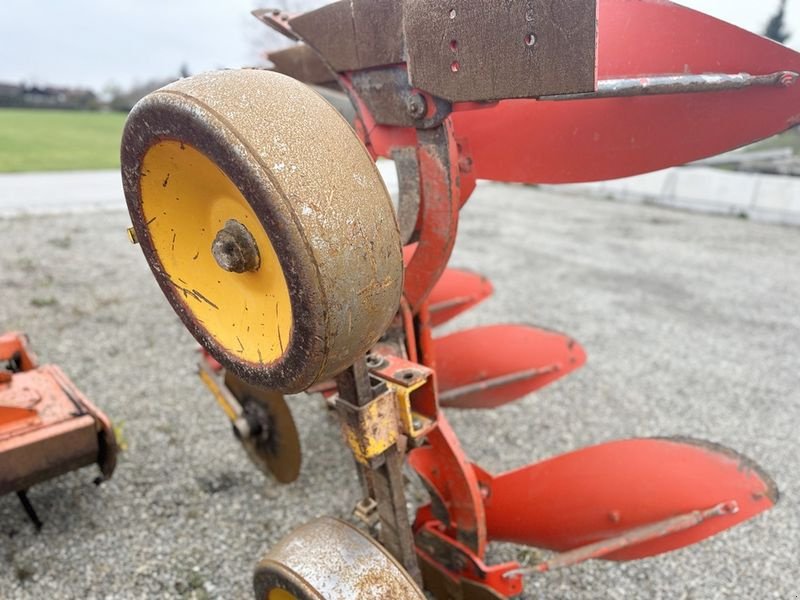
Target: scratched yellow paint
x=186, y=200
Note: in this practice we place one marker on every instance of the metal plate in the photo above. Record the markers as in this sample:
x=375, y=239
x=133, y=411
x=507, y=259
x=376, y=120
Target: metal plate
x=603, y=491
x=303, y=63
x=524, y=359
x=463, y=50
x=354, y=35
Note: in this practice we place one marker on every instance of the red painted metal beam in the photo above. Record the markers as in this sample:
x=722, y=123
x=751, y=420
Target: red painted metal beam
x=590, y=140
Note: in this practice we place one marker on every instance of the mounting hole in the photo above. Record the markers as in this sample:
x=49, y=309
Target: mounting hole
x=530, y=39
x=406, y=375
x=452, y=13
x=375, y=361
x=454, y=66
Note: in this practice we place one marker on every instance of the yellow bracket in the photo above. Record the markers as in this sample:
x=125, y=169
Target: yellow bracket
x=414, y=424
x=372, y=429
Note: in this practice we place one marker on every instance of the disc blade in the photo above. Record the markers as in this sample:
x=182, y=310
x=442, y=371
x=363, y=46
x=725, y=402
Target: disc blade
x=522, y=359
x=603, y=491
x=277, y=452
x=533, y=141
x=456, y=292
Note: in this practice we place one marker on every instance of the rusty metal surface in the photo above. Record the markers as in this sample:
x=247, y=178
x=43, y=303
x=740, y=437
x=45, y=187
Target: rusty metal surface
x=370, y=430
x=328, y=559
x=47, y=427
x=275, y=446
x=382, y=474
x=276, y=19
x=353, y=35
x=378, y=27
x=386, y=93
x=331, y=32
x=473, y=51
x=443, y=557
x=391, y=100
x=407, y=164
x=446, y=586
x=303, y=63
x=315, y=190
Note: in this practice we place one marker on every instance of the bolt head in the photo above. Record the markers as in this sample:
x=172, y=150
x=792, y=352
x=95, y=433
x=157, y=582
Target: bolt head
x=416, y=106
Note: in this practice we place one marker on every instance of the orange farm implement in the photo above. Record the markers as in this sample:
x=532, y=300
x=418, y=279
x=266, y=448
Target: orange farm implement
x=268, y=228
x=47, y=426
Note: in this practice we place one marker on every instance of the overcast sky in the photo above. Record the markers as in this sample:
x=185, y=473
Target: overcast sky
x=98, y=42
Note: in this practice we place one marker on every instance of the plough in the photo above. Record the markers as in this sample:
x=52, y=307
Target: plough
x=269, y=230
x=47, y=426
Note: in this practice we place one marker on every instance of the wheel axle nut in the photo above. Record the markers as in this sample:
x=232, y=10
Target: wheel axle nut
x=235, y=249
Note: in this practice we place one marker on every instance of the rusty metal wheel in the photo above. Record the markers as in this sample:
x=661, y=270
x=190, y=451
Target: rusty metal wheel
x=329, y=559
x=265, y=222
x=271, y=441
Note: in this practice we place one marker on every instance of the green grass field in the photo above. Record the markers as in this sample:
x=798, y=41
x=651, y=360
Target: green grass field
x=58, y=140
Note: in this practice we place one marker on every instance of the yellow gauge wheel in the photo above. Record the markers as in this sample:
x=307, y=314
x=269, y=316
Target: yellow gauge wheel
x=329, y=559
x=265, y=222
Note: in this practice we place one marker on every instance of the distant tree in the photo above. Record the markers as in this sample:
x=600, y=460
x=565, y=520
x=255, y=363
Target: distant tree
x=776, y=28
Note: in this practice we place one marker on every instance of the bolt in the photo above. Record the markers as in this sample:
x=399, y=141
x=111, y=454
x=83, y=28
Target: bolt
x=376, y=361
x=235, y=249
x=416, y=106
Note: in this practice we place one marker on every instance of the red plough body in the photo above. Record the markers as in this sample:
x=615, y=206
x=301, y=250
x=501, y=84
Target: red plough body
x=672, y=86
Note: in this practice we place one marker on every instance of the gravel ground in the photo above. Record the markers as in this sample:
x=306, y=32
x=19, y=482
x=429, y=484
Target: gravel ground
x=690, y=323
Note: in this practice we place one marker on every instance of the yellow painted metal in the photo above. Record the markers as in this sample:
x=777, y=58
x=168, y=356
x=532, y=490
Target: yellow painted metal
x=407, y=416
x=278, y=594
x=372, y=429
x=132, y=236
x=219, y=395
x=186, y=200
